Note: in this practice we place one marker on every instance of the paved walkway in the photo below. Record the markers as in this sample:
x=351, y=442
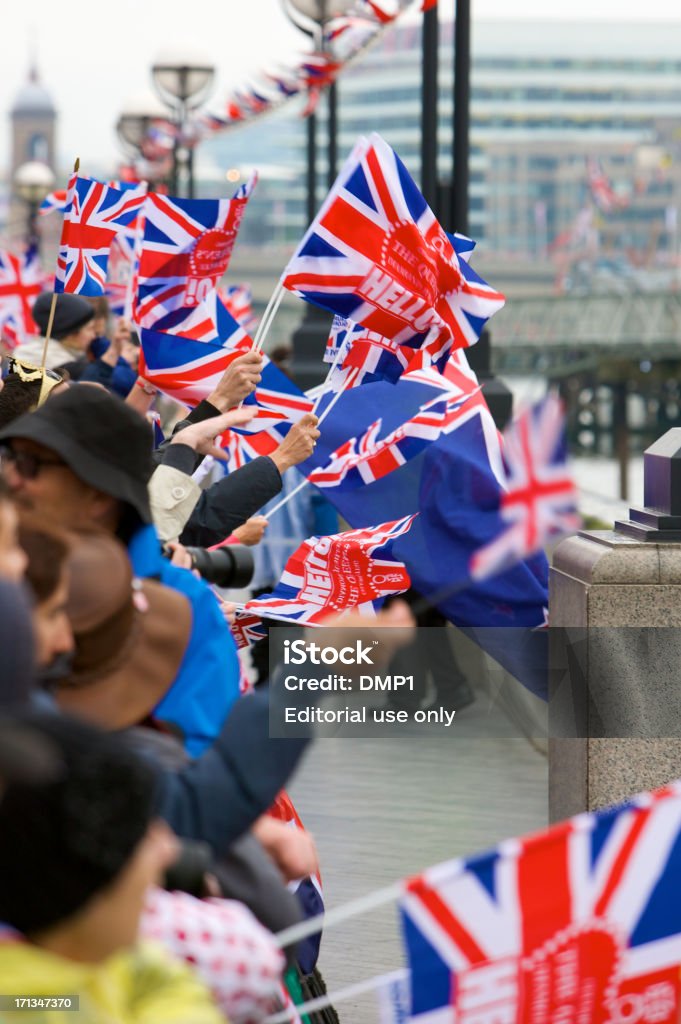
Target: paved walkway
x=382, y=809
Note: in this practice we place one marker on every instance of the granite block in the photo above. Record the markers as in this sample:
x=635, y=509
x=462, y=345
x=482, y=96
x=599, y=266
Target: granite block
x=620, y=768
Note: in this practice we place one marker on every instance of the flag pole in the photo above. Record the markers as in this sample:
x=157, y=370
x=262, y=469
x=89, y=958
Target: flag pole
x=268, y=316
x=305, y=482
x=53, y=304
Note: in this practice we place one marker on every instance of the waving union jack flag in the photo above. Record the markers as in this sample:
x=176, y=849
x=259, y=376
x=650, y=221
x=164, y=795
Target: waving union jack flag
x=540, y=499
x=376, y=253
x=186, y=248
x=370, y=457
x=238, y=300
x=21, y=281
x=95, y=214
x=355, y=569
x=581, y=922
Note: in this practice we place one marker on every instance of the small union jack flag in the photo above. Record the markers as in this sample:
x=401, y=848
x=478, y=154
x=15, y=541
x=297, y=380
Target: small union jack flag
x=324, y=575
x=185, y=251
x=370, y=457
x=377, y=254
x=95, y=214
x=247, y=629
x=581, y=922
x=540, y=499
x=238, y=300
x=21, y=281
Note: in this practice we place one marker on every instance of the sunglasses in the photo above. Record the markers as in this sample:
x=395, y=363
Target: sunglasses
x=26, y=464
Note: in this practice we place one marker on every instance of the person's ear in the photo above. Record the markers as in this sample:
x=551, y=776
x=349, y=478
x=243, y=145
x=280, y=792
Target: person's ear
x=102, y=507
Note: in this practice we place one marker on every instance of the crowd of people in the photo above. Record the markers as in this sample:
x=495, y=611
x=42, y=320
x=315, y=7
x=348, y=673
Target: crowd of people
x=143, y=868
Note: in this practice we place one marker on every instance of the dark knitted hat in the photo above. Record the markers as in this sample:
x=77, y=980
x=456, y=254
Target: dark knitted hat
x=64, y=840
x=71, y=313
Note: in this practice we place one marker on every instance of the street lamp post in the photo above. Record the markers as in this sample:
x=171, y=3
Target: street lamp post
x=311, y=17
x=183, y=80
x=135, y=121
x=32, y=182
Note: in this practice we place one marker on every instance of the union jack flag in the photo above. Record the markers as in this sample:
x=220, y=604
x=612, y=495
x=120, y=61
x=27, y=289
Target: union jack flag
x=185, y=251
x=238, y=300
x=308, y=890
x=370, y=457
x=330, y=574
x=376, y=253
x=58, y=200
x=21, y=281
x=188, y=370
x=539, y=502
x=247, y=629
x=95, y=214
x=54, y=201
x=581, y=922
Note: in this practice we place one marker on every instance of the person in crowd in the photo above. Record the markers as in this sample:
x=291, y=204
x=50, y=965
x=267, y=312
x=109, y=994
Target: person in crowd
x=109, y=366
x=46, y=549
x=13, y=558
x=129, y=641
x=72, y=332
x=78, y=854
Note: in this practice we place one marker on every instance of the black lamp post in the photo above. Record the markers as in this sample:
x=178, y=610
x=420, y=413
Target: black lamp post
x=183, y=81
x=311, y=16
x=134, y=122
x=497, y=395
x=32, y=182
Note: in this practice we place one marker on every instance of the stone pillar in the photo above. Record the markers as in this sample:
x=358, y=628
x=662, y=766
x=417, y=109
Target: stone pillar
x=600, y=583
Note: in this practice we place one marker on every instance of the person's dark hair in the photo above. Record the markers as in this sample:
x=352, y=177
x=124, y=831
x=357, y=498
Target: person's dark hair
x=64, y=840
x=47, y=549
x=17, y=397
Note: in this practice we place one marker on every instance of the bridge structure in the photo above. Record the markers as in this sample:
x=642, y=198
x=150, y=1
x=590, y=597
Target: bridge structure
x=560, y=336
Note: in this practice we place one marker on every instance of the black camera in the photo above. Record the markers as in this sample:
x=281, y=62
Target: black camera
x=230, y=566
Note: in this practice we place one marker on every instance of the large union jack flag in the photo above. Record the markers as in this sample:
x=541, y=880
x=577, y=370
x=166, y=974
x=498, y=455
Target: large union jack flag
x=21, y=281
x=330, y=574
x=95, y=214
x=377, y=254
x=186, y=249
x=540, y=500
x=581, y=922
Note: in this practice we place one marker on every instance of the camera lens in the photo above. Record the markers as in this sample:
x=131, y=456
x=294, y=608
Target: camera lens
x=230, y=566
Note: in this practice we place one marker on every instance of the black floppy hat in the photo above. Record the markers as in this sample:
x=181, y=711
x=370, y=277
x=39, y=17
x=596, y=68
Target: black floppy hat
x=101, y=439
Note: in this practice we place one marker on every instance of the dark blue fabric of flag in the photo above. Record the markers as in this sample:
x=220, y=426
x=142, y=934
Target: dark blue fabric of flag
x=452, y=486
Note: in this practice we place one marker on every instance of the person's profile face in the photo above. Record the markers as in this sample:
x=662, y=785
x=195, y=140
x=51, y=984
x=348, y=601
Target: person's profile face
x=13, y=560
x=51, y=625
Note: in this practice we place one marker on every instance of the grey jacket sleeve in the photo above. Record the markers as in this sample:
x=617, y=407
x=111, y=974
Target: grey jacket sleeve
x=220, y=794
x=231, y=501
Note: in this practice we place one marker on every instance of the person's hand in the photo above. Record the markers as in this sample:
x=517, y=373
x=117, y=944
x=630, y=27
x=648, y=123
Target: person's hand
x=251, y=532
x=238, y=381
x=181, y=556
x=120, y=336
x=298, y=443
x=202, y=436
x=228, y=609
x=392, y=627
x=292, y=849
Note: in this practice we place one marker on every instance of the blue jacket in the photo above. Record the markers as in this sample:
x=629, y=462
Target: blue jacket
x=207, y=683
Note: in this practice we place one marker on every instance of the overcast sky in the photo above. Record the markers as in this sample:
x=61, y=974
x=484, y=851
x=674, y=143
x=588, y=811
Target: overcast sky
x=93, y=56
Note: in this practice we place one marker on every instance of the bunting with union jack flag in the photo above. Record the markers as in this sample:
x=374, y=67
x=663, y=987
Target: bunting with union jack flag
x=186, y=248
x=581, y=922
x=539, y=503
x=95, y=214
x=324, y=575
x=377, y=254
